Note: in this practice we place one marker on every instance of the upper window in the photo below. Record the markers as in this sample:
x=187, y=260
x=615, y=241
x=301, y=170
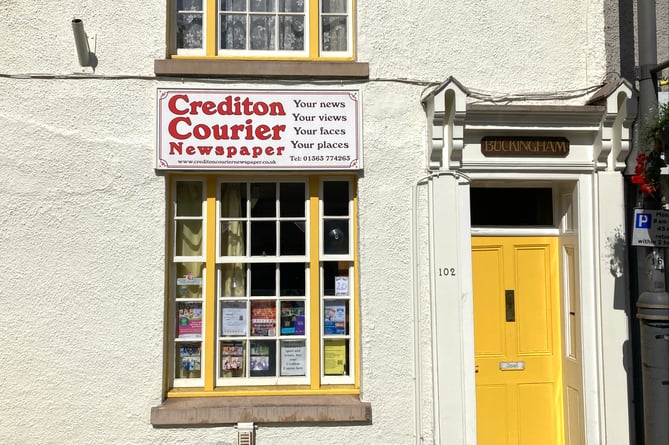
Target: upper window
x=308, y=29
x=262, y=283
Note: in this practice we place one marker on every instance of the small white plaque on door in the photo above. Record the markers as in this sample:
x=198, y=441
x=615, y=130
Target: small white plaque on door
x=511, y=366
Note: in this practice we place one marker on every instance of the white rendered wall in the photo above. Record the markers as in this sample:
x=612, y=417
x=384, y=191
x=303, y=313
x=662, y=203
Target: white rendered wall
x=83, y=212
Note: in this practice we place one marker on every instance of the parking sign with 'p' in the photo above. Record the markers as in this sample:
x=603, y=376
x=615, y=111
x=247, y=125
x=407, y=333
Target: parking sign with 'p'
x=643, y=221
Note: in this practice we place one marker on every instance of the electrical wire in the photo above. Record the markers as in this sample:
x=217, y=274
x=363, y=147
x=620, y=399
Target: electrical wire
x=479, y=95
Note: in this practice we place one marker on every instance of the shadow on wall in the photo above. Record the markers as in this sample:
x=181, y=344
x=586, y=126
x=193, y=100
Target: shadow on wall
x=616, y=254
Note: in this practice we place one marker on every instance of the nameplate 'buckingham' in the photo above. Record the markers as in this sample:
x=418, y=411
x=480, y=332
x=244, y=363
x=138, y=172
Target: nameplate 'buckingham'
x=524, y=146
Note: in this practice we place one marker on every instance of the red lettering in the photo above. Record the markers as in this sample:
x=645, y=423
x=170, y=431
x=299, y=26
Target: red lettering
x=174, y=132
x=209, y=108
x=172, y=104
x=176, y=146
x=201, y=131
x=276, y=131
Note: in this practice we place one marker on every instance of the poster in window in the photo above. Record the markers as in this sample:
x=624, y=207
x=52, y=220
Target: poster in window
x=334, y=357
x=334, y=318
x=190, y=320
x=263, y=357
x=292, y=318
x=189, y=360
x=263, y=318
x=232, y=359
x=233, y=318
x=292, y=358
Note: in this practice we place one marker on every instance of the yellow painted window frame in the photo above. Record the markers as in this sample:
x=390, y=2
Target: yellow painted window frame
x=211, y=18
x=209, y=336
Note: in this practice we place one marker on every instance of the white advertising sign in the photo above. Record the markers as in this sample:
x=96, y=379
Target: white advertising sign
x=258, y=129
x=651, y=228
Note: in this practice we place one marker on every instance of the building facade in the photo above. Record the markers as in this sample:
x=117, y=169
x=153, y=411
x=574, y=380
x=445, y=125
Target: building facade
x=314, y=222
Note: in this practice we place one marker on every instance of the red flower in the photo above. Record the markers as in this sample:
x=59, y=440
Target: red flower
x=647, y=172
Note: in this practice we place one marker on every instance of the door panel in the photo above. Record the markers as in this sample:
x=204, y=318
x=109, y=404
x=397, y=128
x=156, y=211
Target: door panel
x=517, y=340
x=572, y=371
x=492, y=400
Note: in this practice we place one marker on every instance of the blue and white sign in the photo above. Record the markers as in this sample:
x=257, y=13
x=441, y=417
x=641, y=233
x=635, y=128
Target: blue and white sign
x=651, y=228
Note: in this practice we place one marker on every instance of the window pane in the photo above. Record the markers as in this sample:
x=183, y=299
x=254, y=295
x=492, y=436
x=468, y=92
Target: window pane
x=189, y=199
x=263, y=199
x=291, y=33
x=293, y=358
x=263, y=358
x=233, y=32
x=336, y=279
x=263, y=238
x=333, y=6
x=234, y=319
x=335, y=317
x=232, y=238
x=292, y=318
x=188, y=360
x=335, y=197
x=233, y=200
x=188, y=238
x=511, y=207
x=262, y=5
x=335, y=33
x=233, y=280
x=262, y=32
x=233, y=5
x=293, y=238
x=263, y=280
x=291, y=5
x=292, y=199
x=189, y=280
x=189, y=321
x=189, y=5
x=291, y=279
x=335, y=357
x=189, y=31
x=335, y=236
x=233, y=359
x=263, y=318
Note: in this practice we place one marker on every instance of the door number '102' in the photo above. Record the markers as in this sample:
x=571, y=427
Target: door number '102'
x=446, y=271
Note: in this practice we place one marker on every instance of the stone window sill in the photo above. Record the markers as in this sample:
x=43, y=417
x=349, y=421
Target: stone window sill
x=261, y=68
x=203, y=411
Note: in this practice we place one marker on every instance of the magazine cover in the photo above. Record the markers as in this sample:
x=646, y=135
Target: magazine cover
x=292, y=318
x=232, y=359
x=190, y=361
x=263, y=318
x=334, y=322
x=190, y=320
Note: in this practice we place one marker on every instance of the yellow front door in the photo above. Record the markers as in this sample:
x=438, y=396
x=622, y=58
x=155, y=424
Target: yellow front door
x=517, y=341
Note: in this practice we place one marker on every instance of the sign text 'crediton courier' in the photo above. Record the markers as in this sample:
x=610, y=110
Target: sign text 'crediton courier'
x=235, y=129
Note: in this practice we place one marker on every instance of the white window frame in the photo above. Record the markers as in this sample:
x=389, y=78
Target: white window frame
x=213, y=7
x=314, y=329
x=173, y=37
x=247, y=259
x=350, y=258
x=187, y=382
